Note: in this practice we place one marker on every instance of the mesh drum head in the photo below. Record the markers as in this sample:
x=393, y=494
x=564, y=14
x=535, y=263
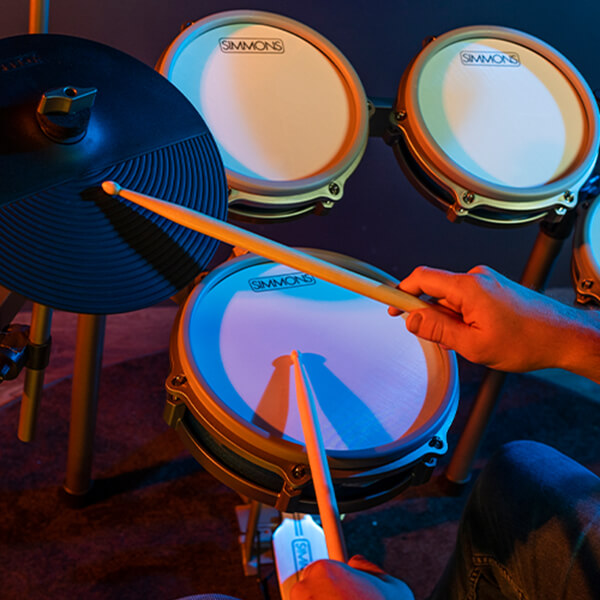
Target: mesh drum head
x=286, y=108
x=378, y=388
x=501, y=115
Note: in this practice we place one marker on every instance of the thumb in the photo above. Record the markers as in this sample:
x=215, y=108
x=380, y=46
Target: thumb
x=360, y=562
x=437, y=325
x=392, y=587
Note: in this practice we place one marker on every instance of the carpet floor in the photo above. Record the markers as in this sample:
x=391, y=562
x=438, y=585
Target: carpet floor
x=161, y=527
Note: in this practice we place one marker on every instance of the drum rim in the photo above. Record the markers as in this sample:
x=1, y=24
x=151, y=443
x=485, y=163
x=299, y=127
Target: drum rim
x=584, y=264
x=428, y=149
x=236, y=431
x=359, y=130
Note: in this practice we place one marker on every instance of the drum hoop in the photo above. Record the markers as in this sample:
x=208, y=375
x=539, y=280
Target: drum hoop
x=584, y=265
x=438, y=190
x=231, y=426
x=358, y=134
x=417, y=130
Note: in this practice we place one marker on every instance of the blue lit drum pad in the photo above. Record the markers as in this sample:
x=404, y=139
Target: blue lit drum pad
x=376, y=385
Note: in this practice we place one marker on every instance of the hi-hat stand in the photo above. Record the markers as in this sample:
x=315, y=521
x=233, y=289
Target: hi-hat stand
x=86, y=368
x=84, y=394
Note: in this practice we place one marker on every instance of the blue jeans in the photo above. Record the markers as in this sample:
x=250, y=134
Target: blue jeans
x=530, y=530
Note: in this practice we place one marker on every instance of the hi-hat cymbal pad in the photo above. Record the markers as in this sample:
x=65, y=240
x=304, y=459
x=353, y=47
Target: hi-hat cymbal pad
x=74, y=113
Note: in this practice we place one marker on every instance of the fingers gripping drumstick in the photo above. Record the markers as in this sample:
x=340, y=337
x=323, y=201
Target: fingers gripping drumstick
x=317, y=459
x=271, y=250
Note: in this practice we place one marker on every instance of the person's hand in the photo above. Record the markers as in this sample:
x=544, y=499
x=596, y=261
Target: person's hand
x=494, y=321
x=357, y=580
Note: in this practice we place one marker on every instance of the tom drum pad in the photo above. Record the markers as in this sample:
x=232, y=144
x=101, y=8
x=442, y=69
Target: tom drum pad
x=495, y=126
x=585, y=262
x=287, y=110
x=385, y=398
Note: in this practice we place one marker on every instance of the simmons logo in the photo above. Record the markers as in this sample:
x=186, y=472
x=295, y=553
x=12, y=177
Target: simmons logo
x=19, y=62
x=490, y=59
x=302, y=553
x=252, y=45
x=291, y=280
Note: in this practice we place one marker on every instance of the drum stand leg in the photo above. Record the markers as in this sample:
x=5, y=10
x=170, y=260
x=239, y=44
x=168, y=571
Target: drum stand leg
x=38, y=16
x=39, y=335
x=84, y=395
x=256, y=522
x=84, y=401
x=253, y=516
x=547, y=246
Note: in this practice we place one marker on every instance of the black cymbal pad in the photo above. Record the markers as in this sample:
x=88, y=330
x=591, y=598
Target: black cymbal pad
x=66, y=244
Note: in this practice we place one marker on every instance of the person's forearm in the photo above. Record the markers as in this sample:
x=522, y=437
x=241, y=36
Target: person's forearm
x=580, y=349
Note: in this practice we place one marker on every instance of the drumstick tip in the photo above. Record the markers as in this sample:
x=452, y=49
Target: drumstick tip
x=112, y=188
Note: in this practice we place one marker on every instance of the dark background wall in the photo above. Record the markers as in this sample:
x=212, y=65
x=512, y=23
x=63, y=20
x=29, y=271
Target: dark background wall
x=381, y=218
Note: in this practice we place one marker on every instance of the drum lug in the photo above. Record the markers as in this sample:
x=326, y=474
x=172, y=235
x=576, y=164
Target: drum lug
x=582, y=298
x=555, y=216
x=323, y=207
x=393, y=130
x=456, y=212
x=174, y=411
x=422, y=472
x=560, y=211
x=295, y=477
x=286, y=496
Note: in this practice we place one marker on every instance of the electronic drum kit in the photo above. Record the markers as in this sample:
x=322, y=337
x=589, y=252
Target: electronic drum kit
x=253, y=116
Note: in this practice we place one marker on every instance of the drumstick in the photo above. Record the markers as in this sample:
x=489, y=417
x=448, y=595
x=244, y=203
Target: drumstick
x=271, y=250
x=317, y=459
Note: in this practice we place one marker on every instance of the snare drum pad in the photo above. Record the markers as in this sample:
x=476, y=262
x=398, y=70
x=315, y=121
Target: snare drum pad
x=382, y=394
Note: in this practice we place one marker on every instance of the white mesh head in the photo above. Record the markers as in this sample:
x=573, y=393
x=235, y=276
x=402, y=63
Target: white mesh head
x=373, y=381
x=282, y=107
x=501, y=112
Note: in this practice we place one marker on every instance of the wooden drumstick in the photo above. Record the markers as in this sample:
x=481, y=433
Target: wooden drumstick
x=317, y=460
x=271, y=250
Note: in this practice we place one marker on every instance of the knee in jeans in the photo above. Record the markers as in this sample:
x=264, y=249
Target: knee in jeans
x=515, y=463
x=516, y=457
